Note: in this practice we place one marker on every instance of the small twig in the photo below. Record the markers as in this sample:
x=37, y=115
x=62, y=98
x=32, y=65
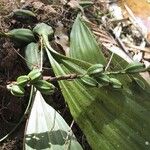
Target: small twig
x=122, y=45
x=104, y=38
x=21, y=56
x=27, y=60
x=41, y=50
x=115, y=72
x=123, y=72
x=120, y=20
x=137, y=47
x=108, y=64
x=70, y=133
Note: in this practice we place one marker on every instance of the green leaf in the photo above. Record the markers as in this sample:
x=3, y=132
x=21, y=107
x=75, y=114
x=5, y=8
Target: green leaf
x=83, y=44
x=33, y=55
x=140, y=83
x=111, y=119
x=47, y=130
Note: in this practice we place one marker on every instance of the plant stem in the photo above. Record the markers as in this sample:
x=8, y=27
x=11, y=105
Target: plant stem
x=115, y=72
x=123, y=72
x=41, y=49
x=64, y=77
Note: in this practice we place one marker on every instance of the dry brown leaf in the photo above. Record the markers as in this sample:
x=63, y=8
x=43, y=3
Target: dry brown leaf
x=147, y=56
x=49, y=9
x=74, y=4
x=61, y=38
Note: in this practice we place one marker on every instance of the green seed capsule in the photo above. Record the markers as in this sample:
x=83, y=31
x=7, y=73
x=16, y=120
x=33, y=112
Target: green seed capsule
x=24, y=35
x=23, y=12
x=22, y=80
x=85, y=3
x=89, y=81
x=25, y=16
x=45, y=87
x=17, y=90
x=134, y=67
x=35, y=75
x=95, y=70
x=103, y=80
x=115, y=83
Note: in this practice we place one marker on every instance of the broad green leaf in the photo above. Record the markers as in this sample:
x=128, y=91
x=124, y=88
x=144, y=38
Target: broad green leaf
x=32, y=55
x=83, y=44
x=47, y=130
x=111, y=119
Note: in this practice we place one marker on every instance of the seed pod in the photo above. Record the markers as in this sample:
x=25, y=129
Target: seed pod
x=103, y=80
x=35, y=75
x=85, y=3
x=45, y=87
x=17, y=90
x=134, y=67
x=95, y=70
x=115, y=83
x=24, y=16
x=23, y=35
x=22, y=80
x=89, y=81
x=24, y=13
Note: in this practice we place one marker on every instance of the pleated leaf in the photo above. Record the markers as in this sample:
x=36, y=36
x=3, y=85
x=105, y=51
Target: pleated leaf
x=111, y=119
x=83, y=44
x=47, y=130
